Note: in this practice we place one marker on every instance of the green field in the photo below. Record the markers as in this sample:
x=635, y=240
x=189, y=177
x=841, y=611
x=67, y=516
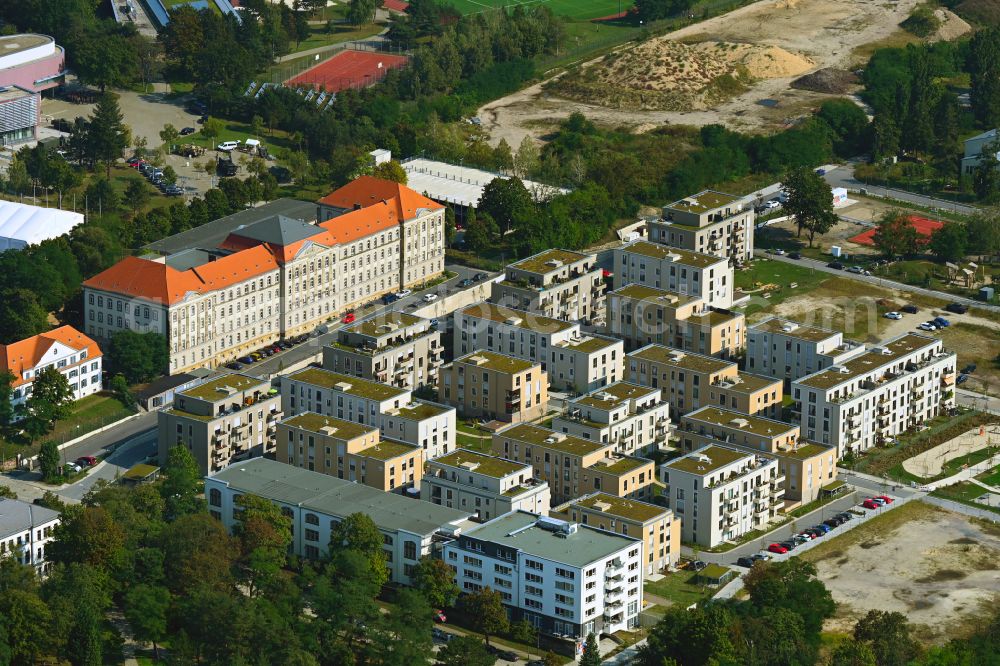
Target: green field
x=575, y=9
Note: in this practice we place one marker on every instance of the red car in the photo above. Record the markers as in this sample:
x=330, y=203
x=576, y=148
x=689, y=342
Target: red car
x=869, y=504
x=439, y=616
x=86, y=461
x=885, y=498
x=348, y=318
x=777, y=548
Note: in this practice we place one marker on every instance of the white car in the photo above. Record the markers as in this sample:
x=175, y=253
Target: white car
x=772, y=204
x=430, y=298
x=228, y=146
x=403, y=294
x=927, y=326
x=778, y=252
x=892, y=315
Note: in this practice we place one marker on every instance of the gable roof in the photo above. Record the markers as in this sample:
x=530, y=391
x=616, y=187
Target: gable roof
x=28, y=353
x=368, y=190
x=277, y=230
x=360, y=223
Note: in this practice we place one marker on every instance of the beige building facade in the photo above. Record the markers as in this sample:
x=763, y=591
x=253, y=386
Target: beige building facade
x=790, y=350
x=708, y=222
x=485, y=384
x=631, y=417
x=561, y=284
x=703, y=276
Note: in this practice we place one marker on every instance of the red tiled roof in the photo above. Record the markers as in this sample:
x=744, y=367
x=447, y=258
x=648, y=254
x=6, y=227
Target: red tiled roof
x=357, y=224
x=368, y=190
x=396, y=5
x=28, y=353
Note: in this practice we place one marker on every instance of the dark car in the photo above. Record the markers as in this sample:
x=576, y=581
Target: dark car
x=698, y=565
x=847, y=515
x=969, y=369
x=836, y=264
x=790, y=545
x=962, y=379
x=479, y=277
x=188, y=130
x=745, y=562
x=465, y=283
x=957, y=308
x=390, y=298
x=794, y=255
x=501, y=653
x=246, y=360
x=910, y=309
x=233, y=365
x=86, y=461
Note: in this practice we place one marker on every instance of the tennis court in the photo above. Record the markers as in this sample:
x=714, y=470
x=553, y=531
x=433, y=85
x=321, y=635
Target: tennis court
x=574, y=9
x=347, y=69
x=925, y=227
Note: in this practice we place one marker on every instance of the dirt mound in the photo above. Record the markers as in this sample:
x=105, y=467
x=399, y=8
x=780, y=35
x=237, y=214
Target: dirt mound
x=982, y=12
x=952, y=26
x=671, y=75
x=827, y=80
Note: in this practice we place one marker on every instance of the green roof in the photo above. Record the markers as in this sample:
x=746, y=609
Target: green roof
x=620, y=465
x=590, y=344
x=870, y=361
x=714, y=572
x=803, y=451
x=539, y=262
x=197, y=417
x=536, y=436
x=718, y=457
x=834, y=485
x=739, y=422
x=520, y=530
x=140, y=471
x=703, y=202
x=493, y=361
x=212, y=390
x=388, y=323
x=613, y=395
x=483, y=464
x=793, y=329
x=681, y=359
x=714, y=317
x=418, y=410
x=520, y=318
x=750, y=382
x=685, y=257
x=623, y=508
x=316, y=422
x=362, y=388
x=387, y=449
x=665, y=297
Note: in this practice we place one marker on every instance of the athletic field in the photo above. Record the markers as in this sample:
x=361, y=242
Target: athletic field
x=574, y=9
x=347, y=69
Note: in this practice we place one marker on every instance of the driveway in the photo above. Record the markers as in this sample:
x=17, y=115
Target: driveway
x=843, y=176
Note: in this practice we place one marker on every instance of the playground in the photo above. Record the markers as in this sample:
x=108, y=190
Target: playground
x=924, y=226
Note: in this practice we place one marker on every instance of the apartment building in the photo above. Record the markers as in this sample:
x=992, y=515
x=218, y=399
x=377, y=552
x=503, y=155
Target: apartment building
x=708, y=222
x=429, y=425
x=565, y=579
x=484, y=485
x=783, y=348
x=630, y=417
x=703, y=276
x=655, y=526
x=231, y=417
x=485, y=384
x=873, y=397
x=721, y=493
x=688, y=381
x=348, y=450
x=274, y=278
x=806, y=466
x=574, y=466
x=73, y=354
x=394, y=348
x=642, y=315
x=341, y=396
x=574, y=361
x=316, y=503
x=26, y=530
x=556, y=283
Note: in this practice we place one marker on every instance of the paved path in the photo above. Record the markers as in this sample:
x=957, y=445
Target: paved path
x=843, y=176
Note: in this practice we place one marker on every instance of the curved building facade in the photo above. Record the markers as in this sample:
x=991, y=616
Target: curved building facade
x=32, y=62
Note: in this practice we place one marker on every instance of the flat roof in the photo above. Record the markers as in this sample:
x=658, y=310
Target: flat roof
x=793, y=329
x=462, y=185
x=869, y=361
x=629, y=509
x=387, y=323
x=214, y=389
x=140, y=471
x=362, y=388
x=11, y=44
x=704, y=201
x=589, y=344
x=537, y=436
x=740, y=422
x=717, y=457
x=480, y=463
x=342, y=429
x=620, y=464
x=539, y=263
x=641, y=292
x=11, y=92
x=654, y=353
x=746, y=382
x=17, y=516
x=493, y=361
x=387, y=449
x=613, y=395
x=528, y=320
x=328, y=494
x=418, y=410
x=714, y=317
x=804, y=451
x=520, y=530
x=676, y=255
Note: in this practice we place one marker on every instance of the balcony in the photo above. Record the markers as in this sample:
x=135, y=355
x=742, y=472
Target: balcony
x=612, y=617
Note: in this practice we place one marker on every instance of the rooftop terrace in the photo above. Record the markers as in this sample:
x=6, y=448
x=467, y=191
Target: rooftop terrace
x=388, y=449
x=589, y=344
x=418, y=410
x=613, y=505
x=706, y=460
x=223, y=386
x=338, y=428
x=355, y=386
x=385, y=324
x=703, y=202
x=794, y=330
x=619, y=465
x=520, y=318
x=613, y=395
x=737, y=421
x=480, y=463
x=664, y=355
x=676, y=255
x=539, y=436
x=641, y=292
x=541, y=262
x=498, y=362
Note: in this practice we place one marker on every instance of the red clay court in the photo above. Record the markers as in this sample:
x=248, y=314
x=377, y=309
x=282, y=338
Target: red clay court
x=347, y=69
x=925, y=227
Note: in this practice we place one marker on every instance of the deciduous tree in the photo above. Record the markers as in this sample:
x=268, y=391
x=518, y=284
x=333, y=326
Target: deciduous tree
x=950, y=242
x=810, y=201
x=591, y=652
x=48, y=461
x=465, y=651
x=895, y=235
x=391, y=170
x=146, y=608
x=264, y=533
x=181, y=484
x=485, y=612
x=358, y=533
x=435, y=581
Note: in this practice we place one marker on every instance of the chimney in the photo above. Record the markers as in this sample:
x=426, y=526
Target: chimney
x=357, y=206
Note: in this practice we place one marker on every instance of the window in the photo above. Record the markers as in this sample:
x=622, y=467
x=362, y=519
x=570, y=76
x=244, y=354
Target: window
x=410, y=550
x=215, y=497
x=532, y=564
x=312, y=535
x=312, y=519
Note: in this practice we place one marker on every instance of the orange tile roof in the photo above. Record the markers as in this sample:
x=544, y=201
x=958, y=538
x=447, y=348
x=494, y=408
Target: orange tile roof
x=368, y=190
x=28, y=353
x=236, y=267
x=360, y=223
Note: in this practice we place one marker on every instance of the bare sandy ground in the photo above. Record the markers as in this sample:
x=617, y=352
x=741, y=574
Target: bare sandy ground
x=929, y=463
x=826, y=32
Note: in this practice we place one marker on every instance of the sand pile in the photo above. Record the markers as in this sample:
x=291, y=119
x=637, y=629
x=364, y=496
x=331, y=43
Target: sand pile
x=952, y=26
x=827, y=80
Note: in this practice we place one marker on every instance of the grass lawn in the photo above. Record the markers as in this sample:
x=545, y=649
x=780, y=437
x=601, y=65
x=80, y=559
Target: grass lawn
x=965, y=492
x=236, y=131
x=88, y=414
x=991, y=478
x=576, y=9
x=680, y=588
x=472, y=443
x=764, y=271
x=342, y=32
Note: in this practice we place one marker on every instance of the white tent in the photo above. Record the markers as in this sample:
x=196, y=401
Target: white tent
x=22, y=225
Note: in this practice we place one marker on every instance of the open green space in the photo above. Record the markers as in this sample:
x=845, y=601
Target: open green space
x=680, y=587
x=966, y=493
x=790, y=279
x=575, y=9
x=87, y=414
x=319, y=35
x=991, y=478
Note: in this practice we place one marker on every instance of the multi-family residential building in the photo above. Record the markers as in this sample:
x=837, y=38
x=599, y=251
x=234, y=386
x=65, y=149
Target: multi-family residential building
x=807, y=467
x=485, y=384
x=348, y=450
x=689, y=381
x=231, y=417
x=574, y=466
x=721, y=493
x=556, y=283
x=873, y=397
x=25, y=532
x=573, y=360
x=484, y=485
x=429, y=425
x=392, y=348
x=708, y=222
x=73, y=354
x=655, y=526
x=703, y=276
x=975, y=149
x=790, y=350
x=632, y=418
x=642, y=315
x=335, y=394
x=273, y=278
x=563, y=578
x=316, y=503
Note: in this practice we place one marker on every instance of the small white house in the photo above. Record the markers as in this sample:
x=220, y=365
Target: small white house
x=25, y=532
x=68, y=350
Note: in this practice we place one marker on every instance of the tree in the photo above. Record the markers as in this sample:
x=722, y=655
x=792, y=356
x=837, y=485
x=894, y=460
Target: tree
x=25, y=619
x=810, y=201
x=450, y=228
x=391, y=170
x=211, y=128
x=888, y=635
x=465, y=651
x=435, y=581
x=986, y=177
x=527, y=158
x=653, y=10
x=169, y=135
x=48, y=462
x=21, y=315
x=481, y=232
x=550, y=659
x=257, y=125
x=503, y=158
x=7, y=380
x=49, y=400
x=949, y=243
x=697, y=637
x=169, y=175
x=136, y=194
x=507, y=201
x=265, y=534
x=138, y=356
x=146, y=609
x=103, y=196
x=121, y=390
x=896, y=236
x=984, y=69
x=485, y=612
x=198, y=552
x=89, y=535
x=853, y=653
x=359, y=533
x=181, y=484
x=108, y=135
x=983, y=230
x=849, y=124
x=361, y=12
x=591, y=652
x=793, y=585
x=7, y=493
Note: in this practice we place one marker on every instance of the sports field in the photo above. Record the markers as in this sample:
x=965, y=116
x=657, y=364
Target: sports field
x=347, y=69
x=574, y=9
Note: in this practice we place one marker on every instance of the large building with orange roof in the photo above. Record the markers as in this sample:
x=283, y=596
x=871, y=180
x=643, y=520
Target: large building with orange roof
x=66, y=349
x=274, y=278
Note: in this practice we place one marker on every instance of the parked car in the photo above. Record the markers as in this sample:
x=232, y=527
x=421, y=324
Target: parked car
x=389, y=298
x=439, y=616
x=962, y=379
x=86, y=461
x=479, y=277
x=439, y=635
x=777, y=251
x=228, y=146
x=233, y=365
x=465, y=283
x=892, y=315
x=134, y=162
x=833, y=522
x=794, y=255
x=823, y=528
x=836, y=265
x=698, y=565
x=846, y=515
x=878, y=500
x=941, y=322
x=756, y=557
x=777, y=548
x=348, y=318
x=957, y=308
x=404, y=293
x=855, y=269
x=790, y=544
x=246, y=360
x=187, y=130
x=174, y=191
x=910, y=309
x=927, y=326
x=430, y=298
x=886, y=499
x=969, y=369
x=868, y=504
x=746, y=562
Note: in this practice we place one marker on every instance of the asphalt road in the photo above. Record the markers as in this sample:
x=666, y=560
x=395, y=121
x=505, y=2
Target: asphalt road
x=111, y=438
x=843, y=176
x=134, y=451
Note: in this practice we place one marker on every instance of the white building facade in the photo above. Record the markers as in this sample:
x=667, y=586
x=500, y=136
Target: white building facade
x=73, y=354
